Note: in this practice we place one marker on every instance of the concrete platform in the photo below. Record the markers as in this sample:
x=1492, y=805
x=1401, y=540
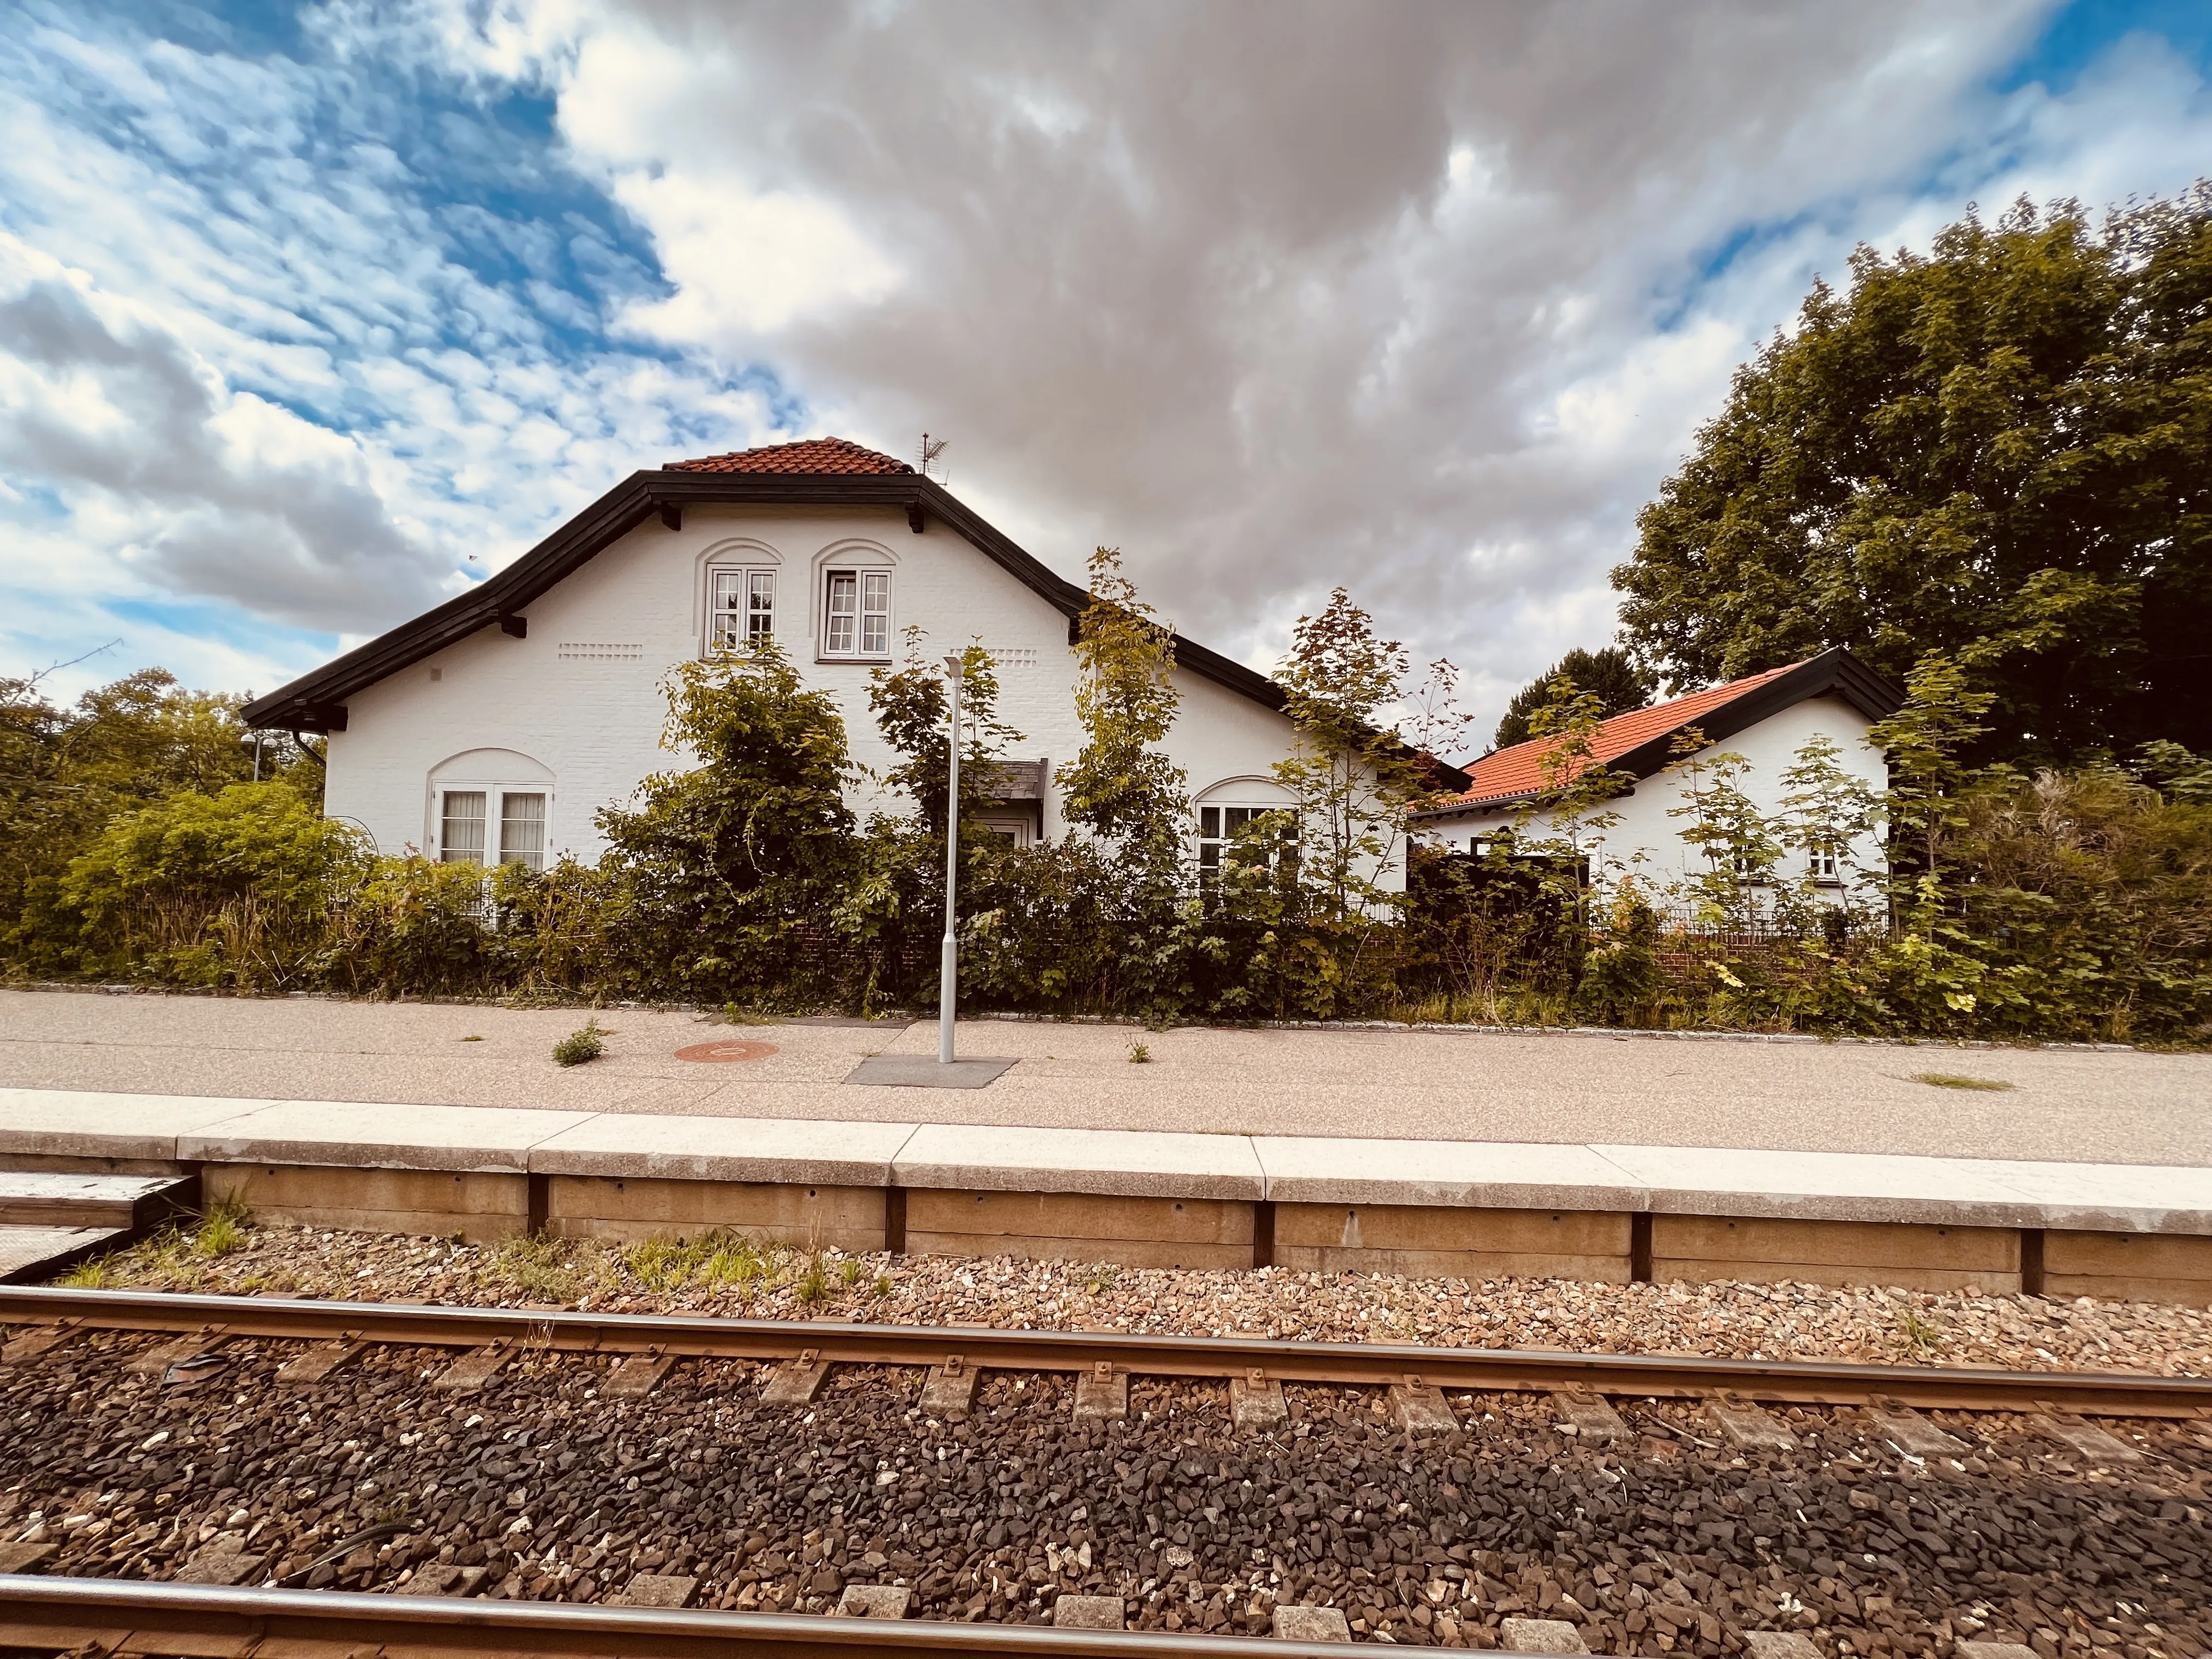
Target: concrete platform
x=1488, y=1087
x=1457, y=1208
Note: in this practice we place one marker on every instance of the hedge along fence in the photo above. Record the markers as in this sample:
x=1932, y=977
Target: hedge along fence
x=2075, y=905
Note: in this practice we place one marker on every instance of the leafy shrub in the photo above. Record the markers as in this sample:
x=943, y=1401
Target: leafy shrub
x=234, y=889
x=580, y=1045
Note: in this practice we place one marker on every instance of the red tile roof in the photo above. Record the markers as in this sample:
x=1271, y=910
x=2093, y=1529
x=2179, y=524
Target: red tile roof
x=1507, y=774
x=807, y=455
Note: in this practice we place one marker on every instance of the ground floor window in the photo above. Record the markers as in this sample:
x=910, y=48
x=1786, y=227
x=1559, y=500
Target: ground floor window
x=465, y=816
x=461, y=827
x=1245, y=835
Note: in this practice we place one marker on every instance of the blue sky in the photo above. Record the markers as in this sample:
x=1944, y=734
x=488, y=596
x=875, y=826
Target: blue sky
x=310, y=316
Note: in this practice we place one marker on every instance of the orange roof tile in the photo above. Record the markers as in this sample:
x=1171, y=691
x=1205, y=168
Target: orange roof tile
x=807, y=455
x=1509, y=774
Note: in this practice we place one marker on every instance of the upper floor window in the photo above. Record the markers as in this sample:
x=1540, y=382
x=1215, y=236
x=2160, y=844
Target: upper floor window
x=740, y=607
x=857, y=614
x=1823, y=867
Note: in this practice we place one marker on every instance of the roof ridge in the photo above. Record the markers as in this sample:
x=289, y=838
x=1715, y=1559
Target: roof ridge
x=831, y=454
x=1512, y=772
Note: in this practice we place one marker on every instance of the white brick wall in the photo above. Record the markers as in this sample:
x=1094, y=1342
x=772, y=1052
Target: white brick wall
x=582, y=693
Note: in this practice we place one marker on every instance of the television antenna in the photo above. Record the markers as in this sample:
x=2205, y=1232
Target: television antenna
x=931, y=449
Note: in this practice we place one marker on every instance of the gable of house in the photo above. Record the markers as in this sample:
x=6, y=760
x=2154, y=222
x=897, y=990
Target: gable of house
x=812, y=473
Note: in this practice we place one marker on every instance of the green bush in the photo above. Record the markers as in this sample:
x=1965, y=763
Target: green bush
x=234, y=889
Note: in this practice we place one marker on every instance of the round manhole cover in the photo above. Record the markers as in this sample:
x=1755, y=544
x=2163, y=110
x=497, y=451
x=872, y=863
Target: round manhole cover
x=713, y=1052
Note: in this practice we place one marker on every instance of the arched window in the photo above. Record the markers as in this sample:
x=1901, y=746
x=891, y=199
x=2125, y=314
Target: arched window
x=853, y=591
x=490, y=806
x=1234, y=822
x=740, y=582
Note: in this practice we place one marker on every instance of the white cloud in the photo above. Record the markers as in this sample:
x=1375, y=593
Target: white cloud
x=1426, y=299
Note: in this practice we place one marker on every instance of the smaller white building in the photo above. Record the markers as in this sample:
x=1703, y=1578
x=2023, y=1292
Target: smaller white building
x=1768, y=719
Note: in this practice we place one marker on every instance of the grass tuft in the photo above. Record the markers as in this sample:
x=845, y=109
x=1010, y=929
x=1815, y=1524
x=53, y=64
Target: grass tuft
x=813, y=1287
x=579, y=1047
x=1140, y=1054
x=95, y=1273
x=223, y=1228
x=1955, y=1080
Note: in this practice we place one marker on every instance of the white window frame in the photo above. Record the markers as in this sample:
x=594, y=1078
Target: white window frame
x=493, y=851
x=1825, y=868
x=1217, y=834
x=871, y=604
x=749, y=581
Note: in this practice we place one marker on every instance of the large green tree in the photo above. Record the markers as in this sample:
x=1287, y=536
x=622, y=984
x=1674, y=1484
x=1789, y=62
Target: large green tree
x=2001, y=450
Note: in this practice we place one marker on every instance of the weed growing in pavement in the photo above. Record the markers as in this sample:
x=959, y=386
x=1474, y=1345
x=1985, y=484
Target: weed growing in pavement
x=883, y=1285
x=734, y=1015
x=1140, y=1054
x=578, y=1046
x=1955, y=1080
x=850, y=1270
x=1102, y=1279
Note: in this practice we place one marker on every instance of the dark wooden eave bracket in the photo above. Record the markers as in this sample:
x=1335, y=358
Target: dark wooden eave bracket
x=913, y=517
x=671, y=515
x=516, y=627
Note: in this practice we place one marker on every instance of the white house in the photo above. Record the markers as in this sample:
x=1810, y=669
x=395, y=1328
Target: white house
x=495, y=726
x=1767, y=719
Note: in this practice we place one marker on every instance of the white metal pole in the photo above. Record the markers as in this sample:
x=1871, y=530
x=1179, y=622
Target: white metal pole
x=948, y=972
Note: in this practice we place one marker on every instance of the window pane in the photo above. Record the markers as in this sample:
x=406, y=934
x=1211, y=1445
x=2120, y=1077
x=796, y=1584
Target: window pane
x=760, y=619
x=844, y=598
x=875, y=612
x=522, y=831
x=461, y=827
x=1209, y=820
x=727, y=595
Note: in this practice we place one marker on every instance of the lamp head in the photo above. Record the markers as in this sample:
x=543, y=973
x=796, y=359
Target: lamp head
x=951, y=667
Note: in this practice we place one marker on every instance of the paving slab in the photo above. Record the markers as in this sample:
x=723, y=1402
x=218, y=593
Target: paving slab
x=94, y=1123
x=1309, y=1169
x=2114, y=1197
x=452, y=1137
x=928, y=1071
x=801, y=1151
x=1115, y=1162
x=1825, y=1186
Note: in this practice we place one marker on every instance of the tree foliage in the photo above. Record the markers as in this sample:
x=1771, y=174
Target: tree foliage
x=2000, y=451
x=66, y=772
x=1610, y=675
x=720, y=866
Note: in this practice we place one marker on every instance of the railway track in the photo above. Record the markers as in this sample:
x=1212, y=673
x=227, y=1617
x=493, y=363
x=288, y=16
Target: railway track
x=52, y=1314
x=1605, y=1488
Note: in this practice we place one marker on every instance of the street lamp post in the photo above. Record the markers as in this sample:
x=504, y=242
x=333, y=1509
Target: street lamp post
x=948, y=973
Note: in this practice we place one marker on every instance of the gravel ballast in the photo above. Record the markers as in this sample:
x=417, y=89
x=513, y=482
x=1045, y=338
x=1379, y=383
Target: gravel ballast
x=1668, y=1540
x=538, y=1486
x=731, y=1277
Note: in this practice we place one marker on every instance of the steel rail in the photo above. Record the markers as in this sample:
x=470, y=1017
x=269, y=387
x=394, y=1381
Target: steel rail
x=1824, y=1383
x=145, y=1617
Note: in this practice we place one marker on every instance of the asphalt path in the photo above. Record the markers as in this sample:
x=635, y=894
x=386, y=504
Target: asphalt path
x=2063, y=1105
